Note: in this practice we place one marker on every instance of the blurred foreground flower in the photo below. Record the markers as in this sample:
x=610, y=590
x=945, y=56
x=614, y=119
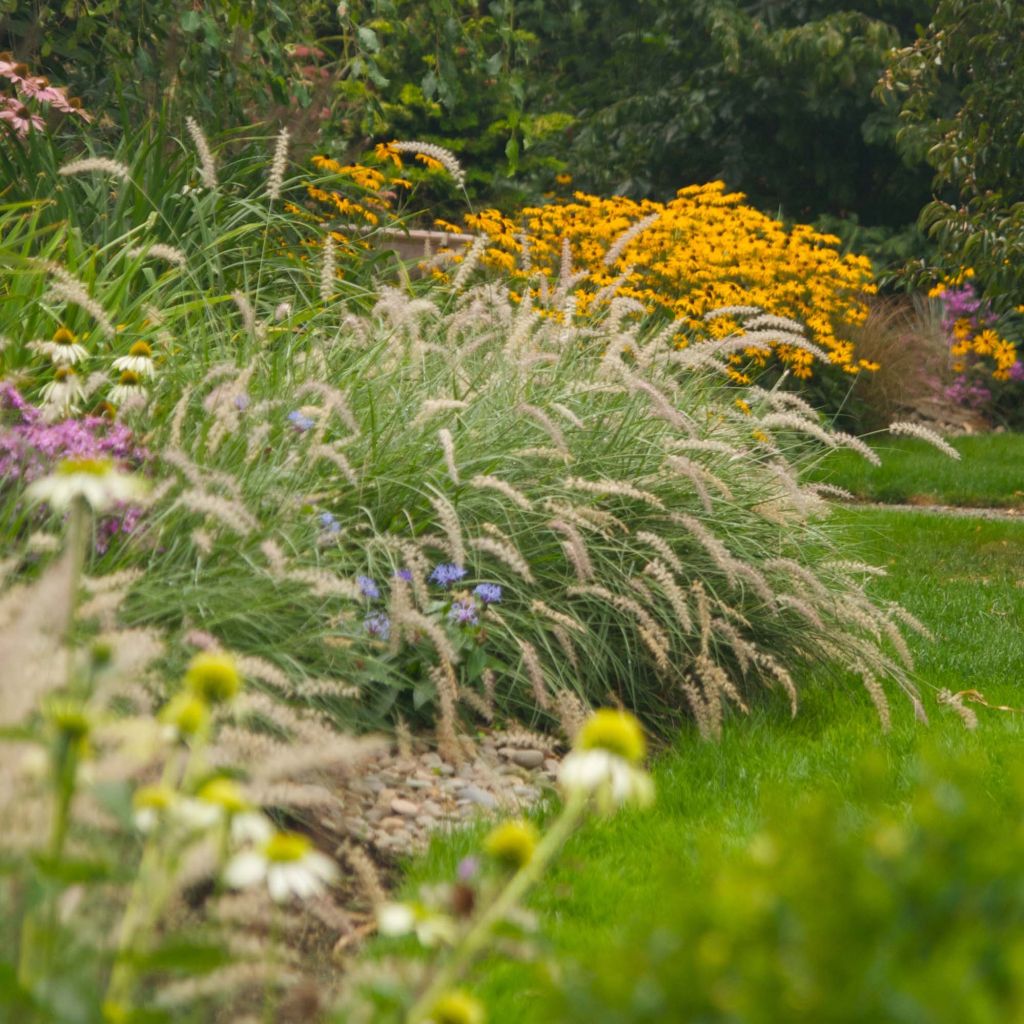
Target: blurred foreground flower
x=97, y=481
x=289, y=864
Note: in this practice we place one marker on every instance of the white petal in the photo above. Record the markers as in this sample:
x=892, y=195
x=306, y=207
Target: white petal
x=395, y=919
x=250, y=827
x=245, y=869
x=277, y=883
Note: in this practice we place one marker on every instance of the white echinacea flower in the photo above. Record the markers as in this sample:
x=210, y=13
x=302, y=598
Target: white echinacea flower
x=431, y=928
x=98, y=481
x=139, y=360
x=611, y=779
x=289, y=864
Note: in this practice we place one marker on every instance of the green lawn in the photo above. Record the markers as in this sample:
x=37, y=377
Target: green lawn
x=962, y=577
x=990, y=472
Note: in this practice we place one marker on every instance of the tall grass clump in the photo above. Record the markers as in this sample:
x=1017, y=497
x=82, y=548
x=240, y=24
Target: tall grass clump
x=421, y=499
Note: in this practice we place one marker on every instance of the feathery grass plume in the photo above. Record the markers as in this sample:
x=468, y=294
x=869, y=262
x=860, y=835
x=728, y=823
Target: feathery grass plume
x=68, y=288
x=714, y=314
x=448, y=518
x=432, y=406
x=903, y=429
x=535, y=673
x=619, y=246
x=485, y=482
x=443, y=156
x=663, y=548
x=661, y=405
x=207, y=167
x=365, y=874
x=655, y=633
x=161, y=252
x=469, y=263
x=333, y=399
x=566, y=413
x=231, y=514
x=447, y=687
x=327, y=270
x=506, y=552
x=799, y=424
x=879, y=699
x=661, y=573
x=241, y=301
x=956, y=701
x=575, y=549
x=332, y=455
x=96, y=165
x=832, y=491
x=852, y=567
x=444, y=435
x=275, y=180
x=616, y=488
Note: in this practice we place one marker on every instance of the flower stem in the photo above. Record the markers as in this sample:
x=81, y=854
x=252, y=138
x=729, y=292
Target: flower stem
x=513, y=892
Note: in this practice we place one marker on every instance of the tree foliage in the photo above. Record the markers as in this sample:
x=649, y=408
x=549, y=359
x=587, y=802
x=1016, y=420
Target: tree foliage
x=959, y=89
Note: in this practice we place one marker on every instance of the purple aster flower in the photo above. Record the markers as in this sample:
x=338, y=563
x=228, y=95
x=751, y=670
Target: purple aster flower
x=1017, y=371
x=489, y=593
x=299, y=421
x=241, y=402
x=404, y=574
x=368, y=588
x=328, y=523
x=446, y=574
x=378, y=625
x=463, y=613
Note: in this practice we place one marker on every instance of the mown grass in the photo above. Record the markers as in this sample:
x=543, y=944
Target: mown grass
x=990, y=473
x=962, y=577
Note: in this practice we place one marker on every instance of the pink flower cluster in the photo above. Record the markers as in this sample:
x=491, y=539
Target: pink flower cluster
x=13, y=109
x=31, y=447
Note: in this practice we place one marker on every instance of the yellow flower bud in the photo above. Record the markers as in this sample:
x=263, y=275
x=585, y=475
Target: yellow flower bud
x=458, y=1007
x=214, y=677
x=187, y=713
x=618, y=732
x=512, y=843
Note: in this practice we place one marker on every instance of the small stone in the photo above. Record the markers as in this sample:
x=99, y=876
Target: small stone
x=445, y=769
x=431, y=760
x=419, y=783
x=385, y=796
x=429, y=807
x=426, y=821
x=391, y=822
x=480, y=797
x=551, y=765
x=528, y=758
x=405, y=807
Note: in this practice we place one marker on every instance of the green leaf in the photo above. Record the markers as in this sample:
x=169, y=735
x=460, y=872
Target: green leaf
x=190, y=21
x=188, y=957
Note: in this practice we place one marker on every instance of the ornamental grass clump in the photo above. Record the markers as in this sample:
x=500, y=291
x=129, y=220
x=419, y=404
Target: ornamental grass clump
x=445, y=501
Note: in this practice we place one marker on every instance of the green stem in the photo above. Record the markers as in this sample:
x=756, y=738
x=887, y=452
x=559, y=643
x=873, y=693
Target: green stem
x=517, y=887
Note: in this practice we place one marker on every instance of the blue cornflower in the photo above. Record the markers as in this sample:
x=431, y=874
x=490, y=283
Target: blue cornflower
x=299, y=421
x=463, y=613
x=489, y=593
x=328, y=523
x=446, y=574
x=377, y=624
x=404, y=574
x=368, y=588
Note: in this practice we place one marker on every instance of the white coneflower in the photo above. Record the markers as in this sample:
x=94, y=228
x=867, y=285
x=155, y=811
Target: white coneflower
x=443, y=156
x=62, y=395
x=139, y=360
x=923, y=434
x=98, y=481
x=64, y=349
x=612, y=780
x=96, y=164
x=159, y=251
x=288, y=863
x=327, y=271
x=128, y=386
x=277, y=166
x=207, y=167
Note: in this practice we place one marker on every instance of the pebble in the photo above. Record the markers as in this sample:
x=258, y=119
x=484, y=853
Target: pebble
x=406, y=807
x=551, y=765
x=391, y=822
x=527, y=758
x=480, y=796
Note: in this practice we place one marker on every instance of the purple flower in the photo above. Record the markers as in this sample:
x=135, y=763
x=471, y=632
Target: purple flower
x=299, y=421
x=463, y=613
x=489, y=593
x=468, y=868
x=328, y=523
x=1017, y=371
x=378, y=625
x=241, y=402
x=404, y=574
x=368, y=588
x=446, y=574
